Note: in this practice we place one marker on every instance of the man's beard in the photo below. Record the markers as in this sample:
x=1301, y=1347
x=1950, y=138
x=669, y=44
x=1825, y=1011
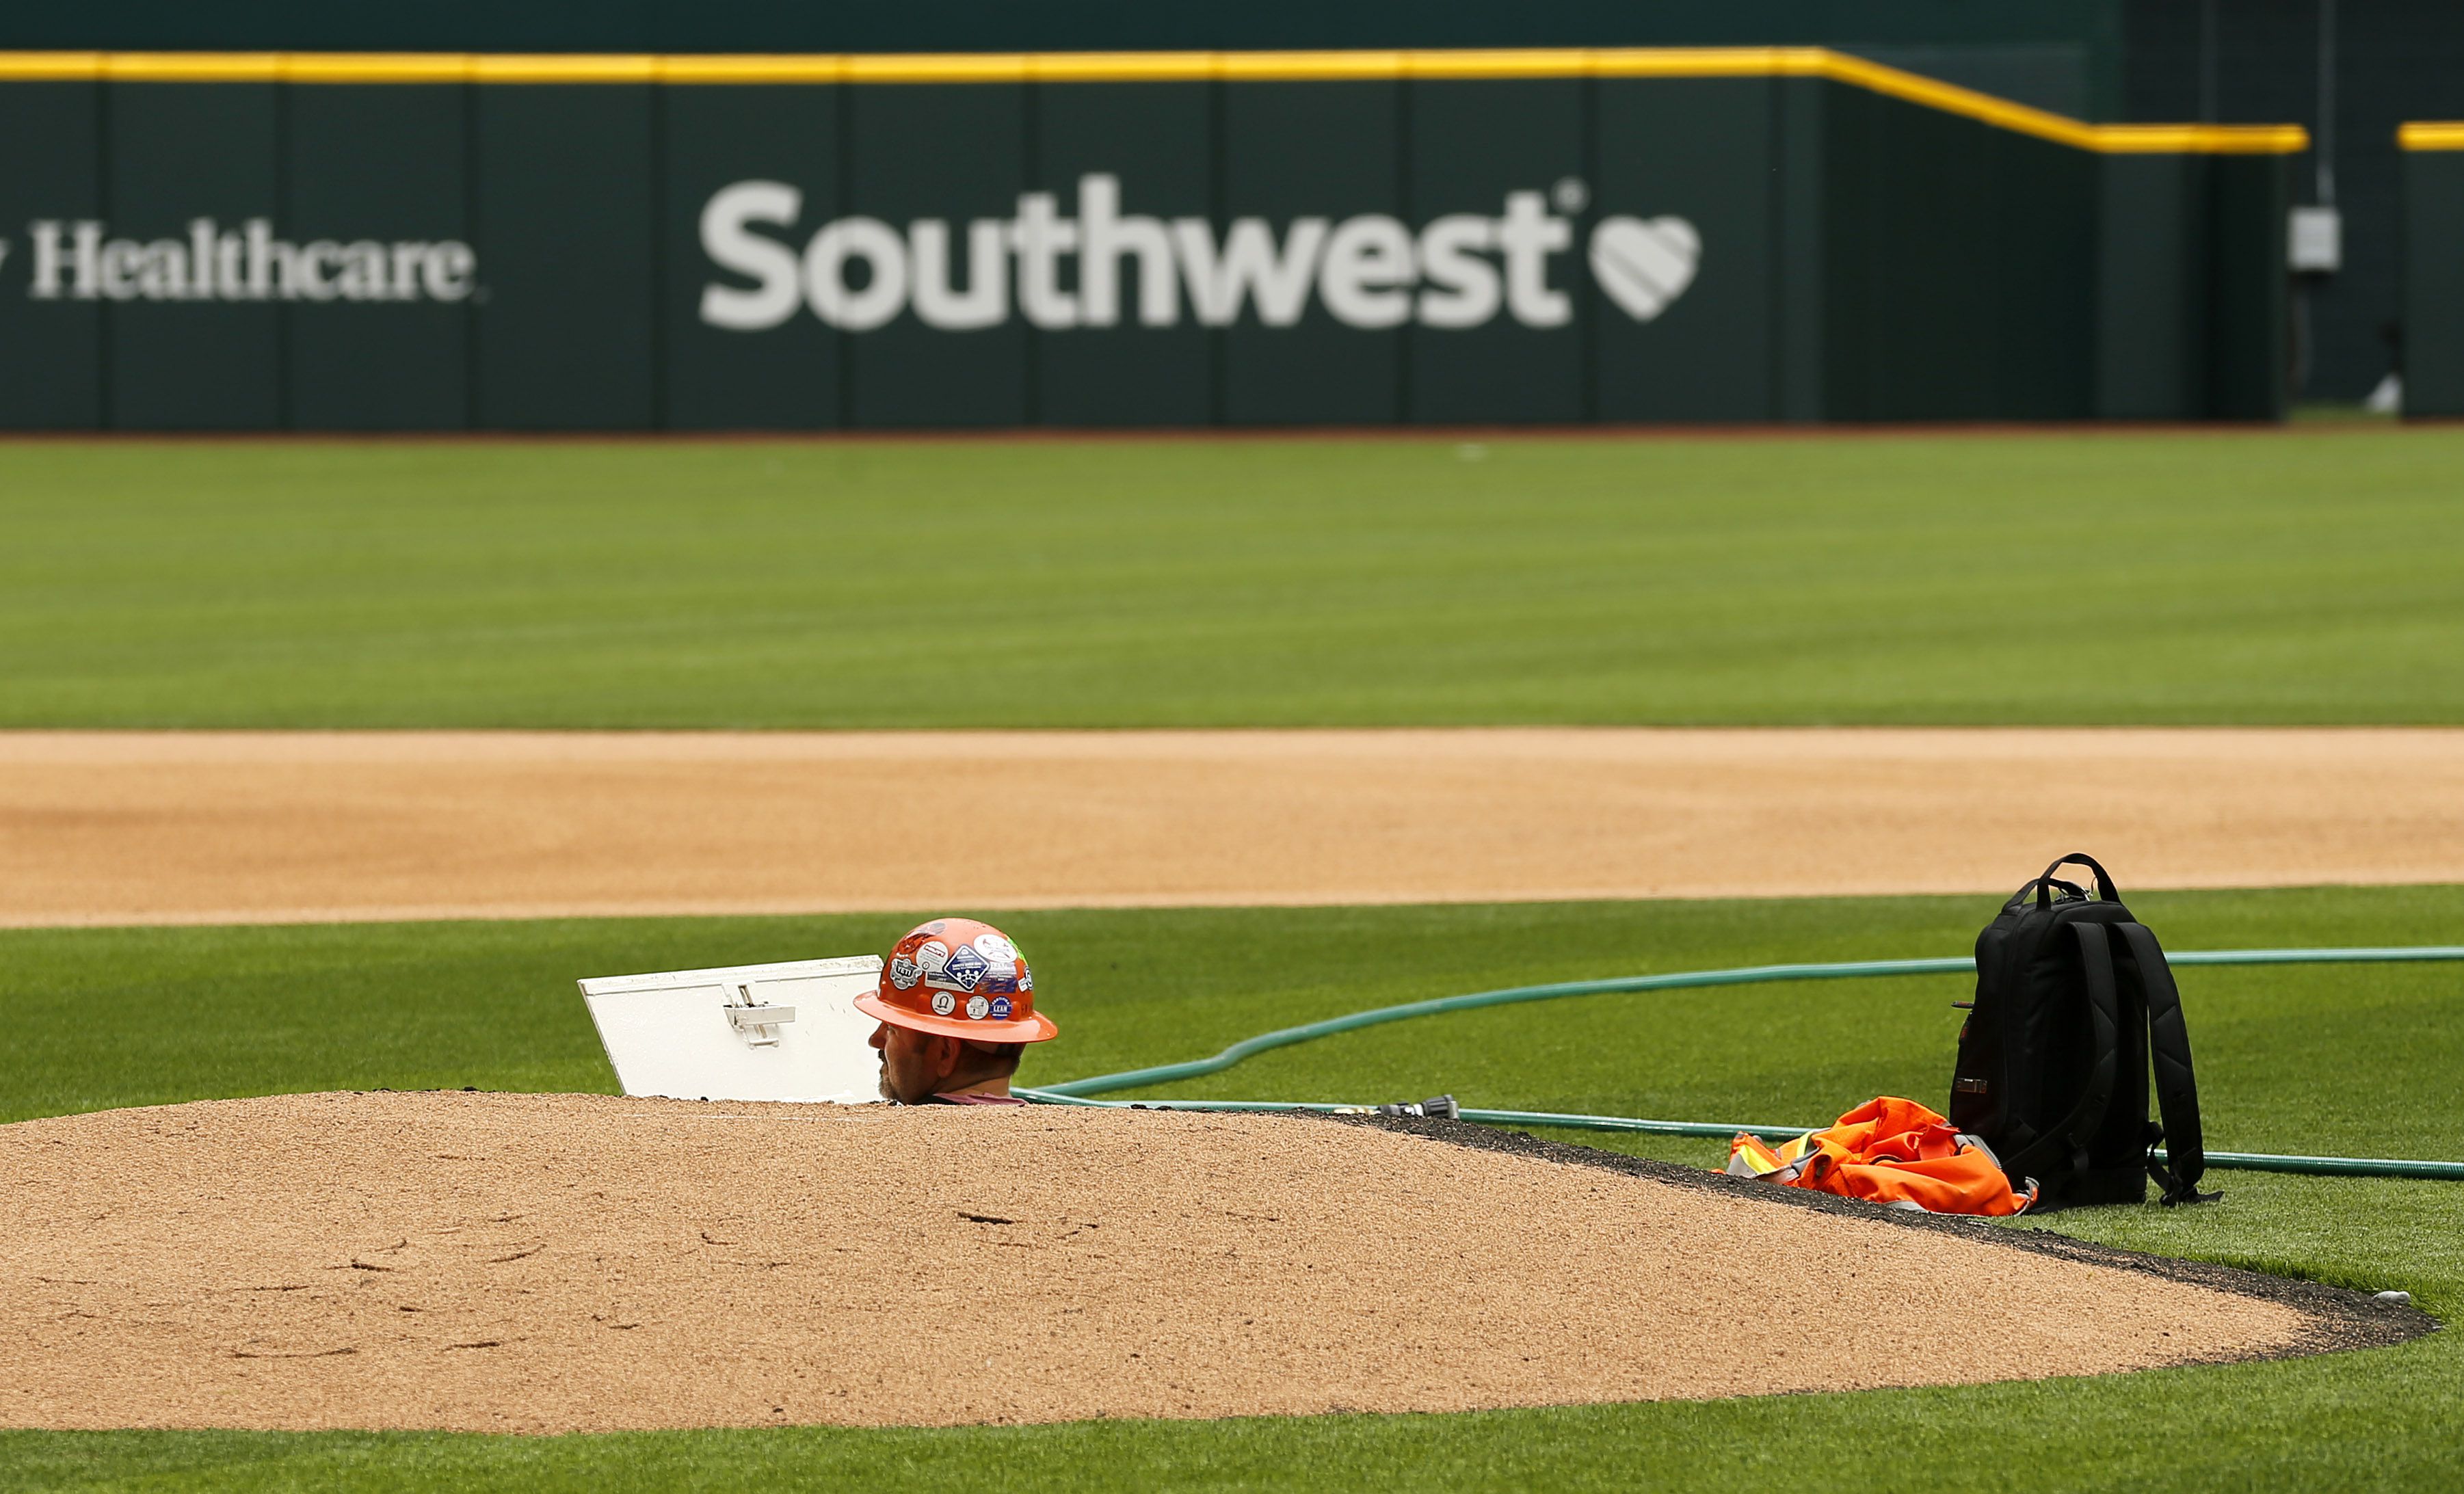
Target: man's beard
x=889, y=1090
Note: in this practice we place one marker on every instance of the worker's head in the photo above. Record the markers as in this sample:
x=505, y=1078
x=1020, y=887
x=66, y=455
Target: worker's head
x=957, y=1007
x=917, y=1066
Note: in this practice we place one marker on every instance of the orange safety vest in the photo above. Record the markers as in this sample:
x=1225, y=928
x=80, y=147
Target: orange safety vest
x=1891, y=1152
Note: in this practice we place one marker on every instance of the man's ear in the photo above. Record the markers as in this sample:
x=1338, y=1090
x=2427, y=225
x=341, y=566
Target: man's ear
x=944, y=1055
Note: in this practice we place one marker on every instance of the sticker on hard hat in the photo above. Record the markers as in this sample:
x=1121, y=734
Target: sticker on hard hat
x=1001, y=1008
x=929, y=957
x=977, y=1006
x=1026, y=978
x=943, y=1003
x=996, y=948
x=965, y=970
x=904, y=973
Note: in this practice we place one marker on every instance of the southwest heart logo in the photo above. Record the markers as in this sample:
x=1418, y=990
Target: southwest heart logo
x=1644, y=263
x=1367, y=270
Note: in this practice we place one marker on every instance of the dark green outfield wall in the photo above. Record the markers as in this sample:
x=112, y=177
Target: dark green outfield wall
x=2433, y=282
x=612, y=256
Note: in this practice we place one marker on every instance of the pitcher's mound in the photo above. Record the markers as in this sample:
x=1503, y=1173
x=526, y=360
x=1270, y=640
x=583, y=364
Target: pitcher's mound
x=565, y=1263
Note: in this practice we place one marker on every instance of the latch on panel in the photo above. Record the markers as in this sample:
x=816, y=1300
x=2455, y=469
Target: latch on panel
x=757, y=1021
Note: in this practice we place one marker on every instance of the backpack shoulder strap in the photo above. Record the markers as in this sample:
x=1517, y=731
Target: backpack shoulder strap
x=2067, y=1142
x=2177, y=1090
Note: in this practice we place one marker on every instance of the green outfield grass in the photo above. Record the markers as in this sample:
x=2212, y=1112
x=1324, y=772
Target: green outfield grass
x=2362, y=1059
x=2232, y=577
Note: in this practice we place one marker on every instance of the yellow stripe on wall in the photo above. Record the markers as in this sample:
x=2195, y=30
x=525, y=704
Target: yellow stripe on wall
x=1104, y=67
x=2430, y=135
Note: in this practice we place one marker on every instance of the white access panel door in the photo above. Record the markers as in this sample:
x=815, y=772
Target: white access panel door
x=784, y=1031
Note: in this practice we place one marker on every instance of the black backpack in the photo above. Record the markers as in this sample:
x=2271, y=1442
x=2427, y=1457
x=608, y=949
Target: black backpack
x=2073, y=997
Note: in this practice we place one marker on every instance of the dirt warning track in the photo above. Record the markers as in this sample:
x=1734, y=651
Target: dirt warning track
x=565, y=1263
x=139, y=827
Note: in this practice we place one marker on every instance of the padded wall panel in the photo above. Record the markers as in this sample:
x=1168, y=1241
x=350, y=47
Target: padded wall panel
x=950, y=154
x=1328, y=152
x=2433, y=282
x=721, y=374
x=1156, y=141
x=176, y=155
x=1472, y=144
x=383, y=167
x=565, y=197
x=1701, y=153
x=52, y=376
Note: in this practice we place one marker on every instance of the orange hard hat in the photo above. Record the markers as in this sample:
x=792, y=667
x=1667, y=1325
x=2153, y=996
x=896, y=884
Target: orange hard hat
x=962, y=979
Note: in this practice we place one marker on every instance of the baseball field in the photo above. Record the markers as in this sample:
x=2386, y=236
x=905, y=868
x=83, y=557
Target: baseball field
x=1693, y=633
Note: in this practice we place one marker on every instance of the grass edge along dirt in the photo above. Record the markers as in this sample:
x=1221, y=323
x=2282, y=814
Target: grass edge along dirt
x=1162, y=984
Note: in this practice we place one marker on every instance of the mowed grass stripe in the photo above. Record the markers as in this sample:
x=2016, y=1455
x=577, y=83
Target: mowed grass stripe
x=2247, y=578
x=2358, y=1059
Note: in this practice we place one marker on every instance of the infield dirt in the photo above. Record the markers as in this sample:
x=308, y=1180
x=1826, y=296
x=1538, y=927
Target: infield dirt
x=191, y=827
x=563, y=1262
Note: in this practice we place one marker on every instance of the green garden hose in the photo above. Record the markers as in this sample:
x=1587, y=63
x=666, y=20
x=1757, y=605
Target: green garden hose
x=1077, y=1091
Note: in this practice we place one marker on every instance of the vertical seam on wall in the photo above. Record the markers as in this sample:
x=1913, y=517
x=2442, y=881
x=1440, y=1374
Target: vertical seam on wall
x=657, y=123
x=1587, y=322
x=1030, y=175
x=472, y=306
x=104, y=178
x=2199, y=257
x=286, y=387
x=2096, y=268
x=1217, y=347
x=1775, y=227
x=1404, y=348
x=2000, y=390
x=843, y=168
x=1872, y=309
